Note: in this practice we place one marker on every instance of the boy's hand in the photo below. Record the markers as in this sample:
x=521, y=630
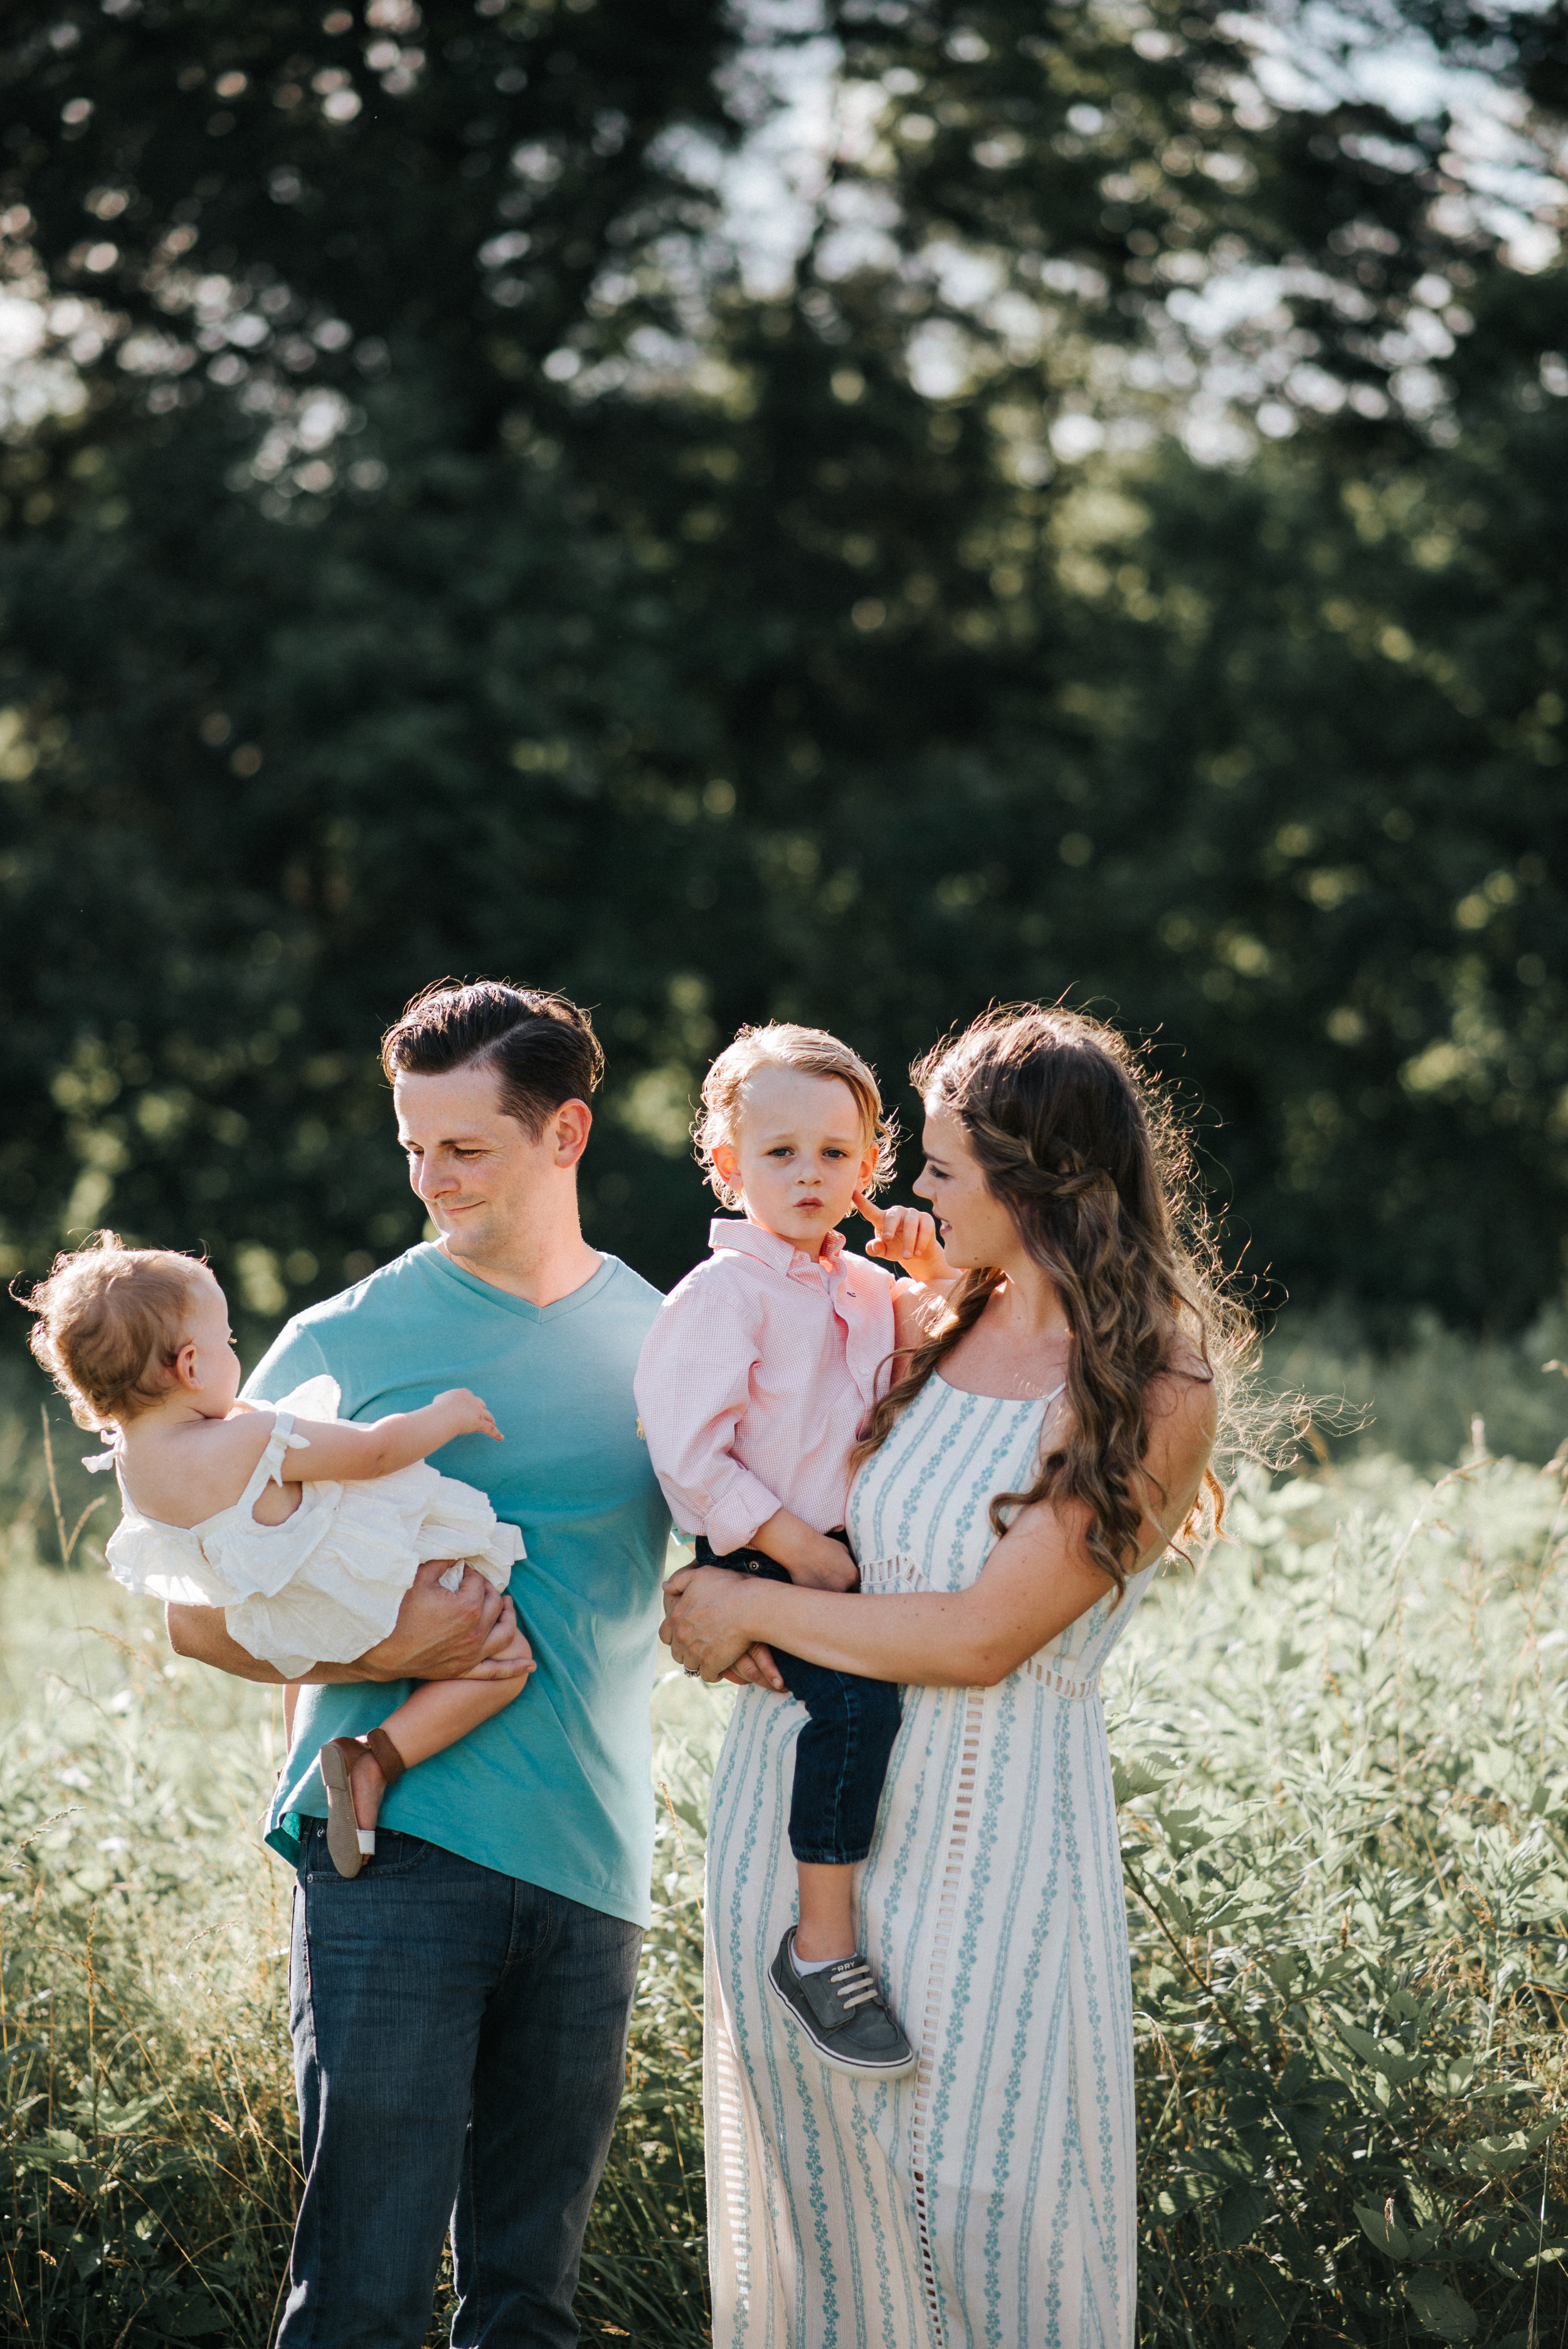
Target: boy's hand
x=465, y=1414
x=905, y=1235
x=813, y=1559
x=824, y=1565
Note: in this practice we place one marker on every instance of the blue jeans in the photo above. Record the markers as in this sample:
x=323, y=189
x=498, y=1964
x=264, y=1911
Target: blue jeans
x=459, y=2054
x=841, y=1754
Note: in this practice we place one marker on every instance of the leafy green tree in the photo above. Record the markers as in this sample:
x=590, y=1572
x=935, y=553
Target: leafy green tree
x=456, y=565
x=308, y=604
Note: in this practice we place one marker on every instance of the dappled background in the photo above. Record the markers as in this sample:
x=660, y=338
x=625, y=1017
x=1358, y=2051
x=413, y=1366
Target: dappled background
x=844, y=509
x=817, y=509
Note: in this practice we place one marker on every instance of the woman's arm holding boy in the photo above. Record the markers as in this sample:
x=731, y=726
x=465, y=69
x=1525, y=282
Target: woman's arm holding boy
x=1038, y=1579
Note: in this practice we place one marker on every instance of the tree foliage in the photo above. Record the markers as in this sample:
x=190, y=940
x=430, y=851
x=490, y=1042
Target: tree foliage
x=456, y=561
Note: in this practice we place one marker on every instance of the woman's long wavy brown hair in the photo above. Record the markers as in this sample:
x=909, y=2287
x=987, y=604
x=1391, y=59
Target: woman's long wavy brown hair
x=1077, y=1143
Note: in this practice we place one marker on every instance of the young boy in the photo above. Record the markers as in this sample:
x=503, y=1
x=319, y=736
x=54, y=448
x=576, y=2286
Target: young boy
x=752, y=1386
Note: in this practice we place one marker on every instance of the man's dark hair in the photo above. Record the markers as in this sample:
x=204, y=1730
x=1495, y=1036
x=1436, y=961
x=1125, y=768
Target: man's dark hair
x=541, y=1047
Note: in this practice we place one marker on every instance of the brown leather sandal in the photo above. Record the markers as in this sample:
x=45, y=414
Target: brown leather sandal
x=348, y=1844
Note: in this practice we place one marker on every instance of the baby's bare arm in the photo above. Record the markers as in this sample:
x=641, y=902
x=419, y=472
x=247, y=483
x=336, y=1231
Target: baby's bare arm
x=181, y=1470
x=342, y=1452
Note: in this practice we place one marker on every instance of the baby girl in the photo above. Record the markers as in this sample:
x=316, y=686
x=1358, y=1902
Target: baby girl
x=752, y=1386
x=306, y=1532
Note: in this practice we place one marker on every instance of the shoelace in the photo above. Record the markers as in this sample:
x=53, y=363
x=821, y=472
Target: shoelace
x=854, y=1986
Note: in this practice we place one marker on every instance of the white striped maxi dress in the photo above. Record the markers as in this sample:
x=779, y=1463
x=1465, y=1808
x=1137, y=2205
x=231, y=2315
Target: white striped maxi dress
x=989, y=2198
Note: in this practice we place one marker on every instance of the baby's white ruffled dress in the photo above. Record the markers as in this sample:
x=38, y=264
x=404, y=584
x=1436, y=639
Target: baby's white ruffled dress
x=326, y=1584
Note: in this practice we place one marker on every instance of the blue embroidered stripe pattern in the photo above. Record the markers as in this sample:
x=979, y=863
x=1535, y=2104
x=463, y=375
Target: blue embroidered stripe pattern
x=988, y=2201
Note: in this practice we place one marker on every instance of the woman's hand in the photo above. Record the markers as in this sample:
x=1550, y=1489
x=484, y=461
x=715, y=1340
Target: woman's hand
x=704, y=1629
x=905, y=1235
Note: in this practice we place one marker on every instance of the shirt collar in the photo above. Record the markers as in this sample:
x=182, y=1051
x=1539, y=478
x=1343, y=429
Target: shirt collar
x=747, y=1238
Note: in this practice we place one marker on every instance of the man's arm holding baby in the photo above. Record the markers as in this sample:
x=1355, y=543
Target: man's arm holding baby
x=469, y=1633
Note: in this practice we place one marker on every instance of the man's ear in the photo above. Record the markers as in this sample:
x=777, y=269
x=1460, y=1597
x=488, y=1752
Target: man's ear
x=572, y=1124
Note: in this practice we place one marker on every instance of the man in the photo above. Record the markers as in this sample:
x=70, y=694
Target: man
x=460, y=2009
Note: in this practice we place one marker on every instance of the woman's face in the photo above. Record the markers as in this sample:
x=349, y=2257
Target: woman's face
x=975, y=1227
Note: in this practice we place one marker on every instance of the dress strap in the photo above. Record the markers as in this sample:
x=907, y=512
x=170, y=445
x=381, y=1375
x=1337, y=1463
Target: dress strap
x=268, y=1468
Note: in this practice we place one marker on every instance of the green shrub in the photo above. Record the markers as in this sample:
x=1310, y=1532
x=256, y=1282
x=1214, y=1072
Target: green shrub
x=1346, y=1836
x=645, y=2264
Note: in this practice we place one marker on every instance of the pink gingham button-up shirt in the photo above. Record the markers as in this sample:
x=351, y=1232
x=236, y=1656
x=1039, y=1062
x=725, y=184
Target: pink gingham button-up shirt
x=755, y=1378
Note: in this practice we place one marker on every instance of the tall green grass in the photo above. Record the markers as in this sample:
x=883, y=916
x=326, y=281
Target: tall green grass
x=1418, y=1393
x=1344, y=1756
x=1344, y=1765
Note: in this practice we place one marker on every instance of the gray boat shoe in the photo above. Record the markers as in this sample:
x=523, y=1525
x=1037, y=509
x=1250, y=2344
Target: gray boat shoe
x=841, y=2012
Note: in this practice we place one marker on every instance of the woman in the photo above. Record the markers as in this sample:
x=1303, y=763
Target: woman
x=1046, y=1439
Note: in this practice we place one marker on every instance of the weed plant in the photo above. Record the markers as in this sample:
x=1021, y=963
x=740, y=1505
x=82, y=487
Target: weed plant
x=1344, y=1765
x=1342, y=1755
x=147, y=2151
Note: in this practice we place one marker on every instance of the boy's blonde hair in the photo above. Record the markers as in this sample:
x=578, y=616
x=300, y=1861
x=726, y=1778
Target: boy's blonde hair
x=780, y=1044
x=110, y=1321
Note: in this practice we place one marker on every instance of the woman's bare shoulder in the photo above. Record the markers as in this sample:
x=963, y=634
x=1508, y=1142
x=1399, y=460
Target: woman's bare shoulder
x=1184, y=1405
x=917, y=1310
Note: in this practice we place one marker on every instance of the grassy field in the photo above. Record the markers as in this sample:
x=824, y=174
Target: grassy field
x=1343, y=1755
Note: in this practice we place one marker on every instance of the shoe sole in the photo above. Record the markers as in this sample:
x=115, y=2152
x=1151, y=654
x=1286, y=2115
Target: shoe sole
x=342, y=1826
x=837, y=2062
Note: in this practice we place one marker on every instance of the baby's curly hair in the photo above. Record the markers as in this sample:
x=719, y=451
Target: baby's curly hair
x=111, y=1319
x=780, y=1044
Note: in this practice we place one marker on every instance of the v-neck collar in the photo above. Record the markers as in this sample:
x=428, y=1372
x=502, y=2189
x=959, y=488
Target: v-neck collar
x=437, y=1262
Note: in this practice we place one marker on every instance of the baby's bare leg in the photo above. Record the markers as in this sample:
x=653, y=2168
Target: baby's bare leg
x=437, y=1715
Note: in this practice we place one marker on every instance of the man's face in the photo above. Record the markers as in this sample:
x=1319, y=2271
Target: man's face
x=483, y=1179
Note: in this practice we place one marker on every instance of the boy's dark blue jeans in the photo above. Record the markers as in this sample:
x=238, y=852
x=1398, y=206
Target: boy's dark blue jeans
x=841, y=1754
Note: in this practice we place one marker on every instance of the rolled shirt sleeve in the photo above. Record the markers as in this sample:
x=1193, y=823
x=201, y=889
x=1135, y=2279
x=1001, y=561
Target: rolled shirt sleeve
x=693, y=1386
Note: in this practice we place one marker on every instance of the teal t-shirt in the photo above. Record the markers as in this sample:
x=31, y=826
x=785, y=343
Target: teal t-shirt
x=558, y=1788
